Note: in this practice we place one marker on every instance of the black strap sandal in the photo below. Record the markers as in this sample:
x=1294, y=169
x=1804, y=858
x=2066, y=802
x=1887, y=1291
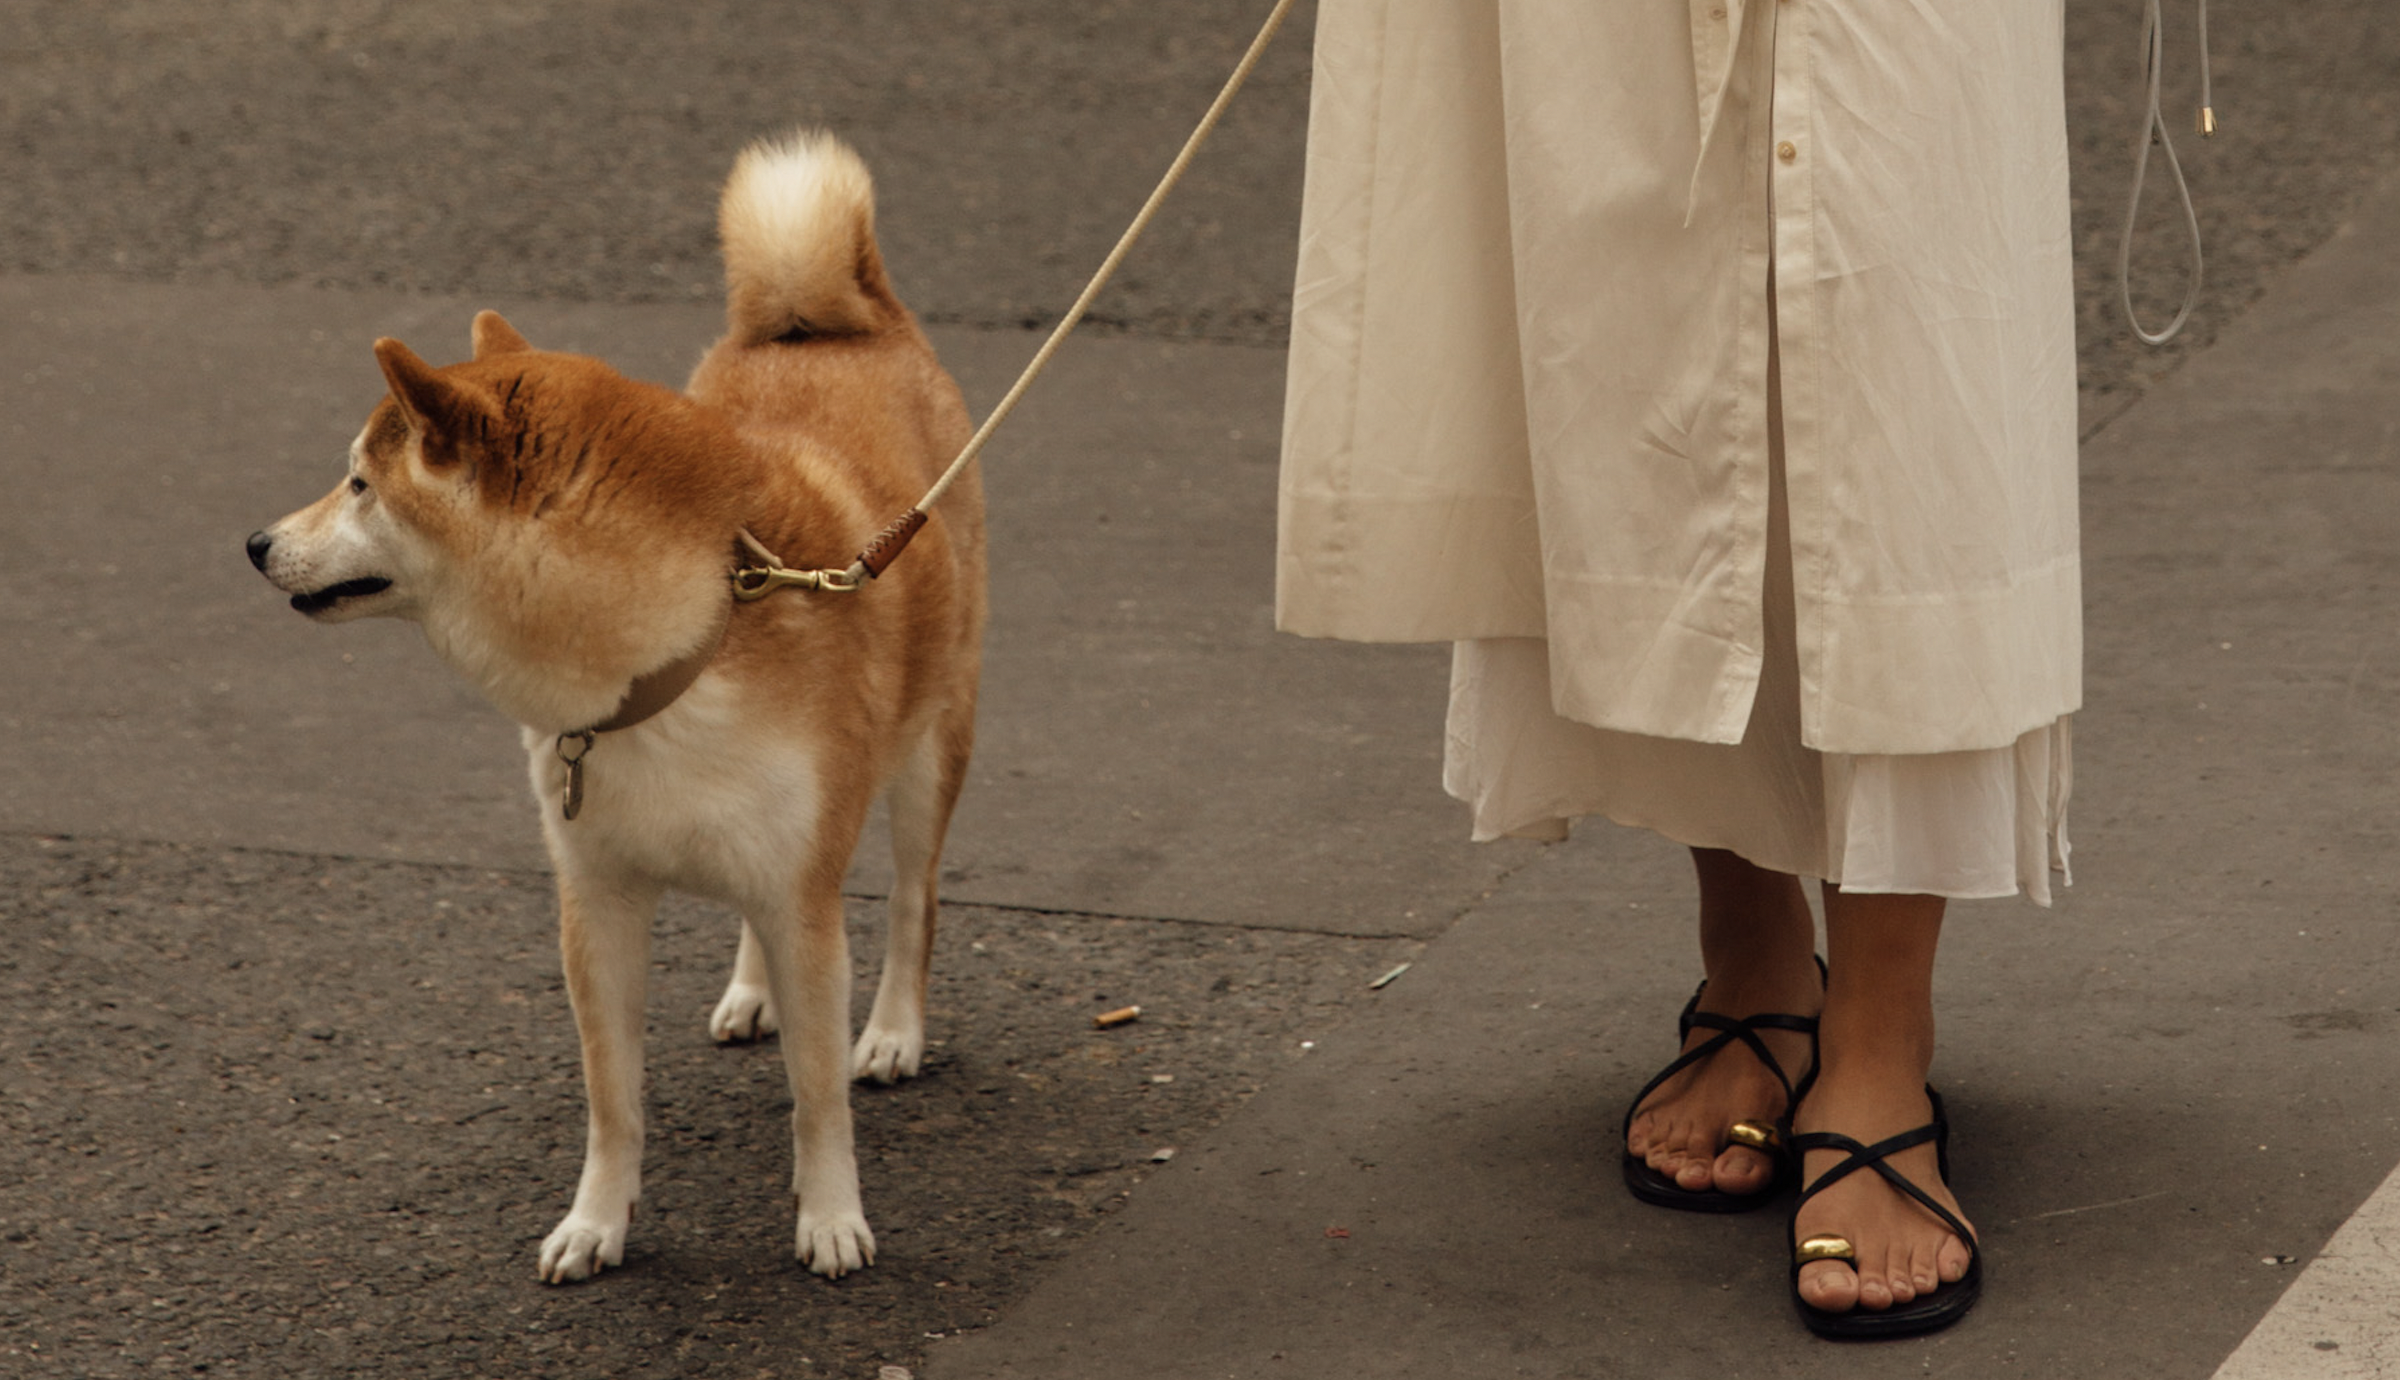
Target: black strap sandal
x=1925, y=1313
x=1661, y=1190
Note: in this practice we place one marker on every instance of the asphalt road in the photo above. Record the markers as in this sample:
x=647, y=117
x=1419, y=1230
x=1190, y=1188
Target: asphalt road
x=518, y=148
x=302, y=1110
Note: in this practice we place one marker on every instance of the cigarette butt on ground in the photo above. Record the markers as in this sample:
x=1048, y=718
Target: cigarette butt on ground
x=1386, y=980
x=1117, y=1017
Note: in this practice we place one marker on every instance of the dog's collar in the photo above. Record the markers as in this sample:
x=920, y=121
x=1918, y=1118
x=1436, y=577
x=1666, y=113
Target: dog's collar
x=653, y=692
x=757, y=572
x=645, y=699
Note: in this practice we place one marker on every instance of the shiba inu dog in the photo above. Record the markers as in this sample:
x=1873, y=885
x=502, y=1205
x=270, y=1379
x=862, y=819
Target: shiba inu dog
x=567, y=539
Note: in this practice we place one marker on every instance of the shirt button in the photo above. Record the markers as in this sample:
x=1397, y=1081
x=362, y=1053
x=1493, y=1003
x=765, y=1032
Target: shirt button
x=1787, y=151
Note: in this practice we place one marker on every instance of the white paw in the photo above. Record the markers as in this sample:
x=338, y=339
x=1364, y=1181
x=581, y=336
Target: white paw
x=579, y=1248
x=887, y=1056
x=834, y=1245
x=745, y=1012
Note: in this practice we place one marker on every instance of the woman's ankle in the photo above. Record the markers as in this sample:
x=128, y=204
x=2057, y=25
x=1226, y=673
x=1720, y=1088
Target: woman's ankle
x=1758, y=938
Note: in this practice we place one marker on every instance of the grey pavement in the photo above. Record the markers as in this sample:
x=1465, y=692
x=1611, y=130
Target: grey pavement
x=2170, y=1092
x=2167, y=1093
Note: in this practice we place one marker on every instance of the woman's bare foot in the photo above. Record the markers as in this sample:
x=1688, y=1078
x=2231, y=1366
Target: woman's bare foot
x=1875, y=1044
x=1903, y=1251
x=1681, y=1129
x=1758, y=946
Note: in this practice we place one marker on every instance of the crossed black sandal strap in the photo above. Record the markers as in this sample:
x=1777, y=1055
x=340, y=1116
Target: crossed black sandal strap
x=1873, y=1157
x=1728, y=1031
x=1683, y=1019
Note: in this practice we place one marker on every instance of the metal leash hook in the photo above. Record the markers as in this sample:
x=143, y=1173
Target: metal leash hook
x=755, y=582
x=766, y=573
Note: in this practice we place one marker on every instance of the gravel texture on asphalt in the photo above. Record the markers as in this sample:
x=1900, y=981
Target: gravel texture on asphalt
x=281, y=1115
x=535, y=147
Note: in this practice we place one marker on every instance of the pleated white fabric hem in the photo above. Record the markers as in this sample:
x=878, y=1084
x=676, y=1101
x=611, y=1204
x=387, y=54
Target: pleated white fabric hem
x=1963, y=825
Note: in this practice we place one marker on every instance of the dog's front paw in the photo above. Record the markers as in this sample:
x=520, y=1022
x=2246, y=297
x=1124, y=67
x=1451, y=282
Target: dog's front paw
x=886, y=1055
x=745, y=1012
x=579, y=1248
x=835, y=1244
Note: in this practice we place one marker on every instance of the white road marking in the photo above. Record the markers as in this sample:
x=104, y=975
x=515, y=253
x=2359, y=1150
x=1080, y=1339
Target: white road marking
x=2341, y=1319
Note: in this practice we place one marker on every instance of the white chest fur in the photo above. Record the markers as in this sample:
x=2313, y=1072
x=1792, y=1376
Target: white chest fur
x=701, y=798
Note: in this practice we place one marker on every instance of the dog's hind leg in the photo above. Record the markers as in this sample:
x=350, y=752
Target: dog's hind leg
x=922, y=794
x=604, y=944
x=747, y=1010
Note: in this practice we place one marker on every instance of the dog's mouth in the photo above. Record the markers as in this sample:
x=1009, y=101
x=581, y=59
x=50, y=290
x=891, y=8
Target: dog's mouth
x=331, y=595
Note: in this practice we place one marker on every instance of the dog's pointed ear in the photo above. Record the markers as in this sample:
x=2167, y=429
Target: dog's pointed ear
x=415, y=386
x=494, y=336
x=439, y=410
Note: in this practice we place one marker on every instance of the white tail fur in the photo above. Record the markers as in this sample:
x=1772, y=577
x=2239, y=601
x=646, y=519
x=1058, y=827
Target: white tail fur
x=798, y=225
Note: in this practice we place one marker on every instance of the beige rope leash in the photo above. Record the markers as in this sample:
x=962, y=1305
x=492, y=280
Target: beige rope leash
x=752, y=582
x=2154, y=131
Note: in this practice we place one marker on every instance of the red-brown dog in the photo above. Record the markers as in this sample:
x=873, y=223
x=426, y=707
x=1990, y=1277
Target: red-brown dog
x=565, y=536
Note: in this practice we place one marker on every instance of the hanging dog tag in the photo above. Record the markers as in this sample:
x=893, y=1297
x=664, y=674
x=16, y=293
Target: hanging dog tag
x=574, y=760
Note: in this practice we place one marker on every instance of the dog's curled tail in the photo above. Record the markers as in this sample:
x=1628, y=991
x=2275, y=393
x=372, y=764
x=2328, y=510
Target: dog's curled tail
x=798, y=225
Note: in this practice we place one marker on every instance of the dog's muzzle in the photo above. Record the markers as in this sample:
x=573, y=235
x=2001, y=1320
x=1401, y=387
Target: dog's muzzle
x=316, y=601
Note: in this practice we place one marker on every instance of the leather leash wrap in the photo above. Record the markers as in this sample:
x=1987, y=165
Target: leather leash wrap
x=891, y=541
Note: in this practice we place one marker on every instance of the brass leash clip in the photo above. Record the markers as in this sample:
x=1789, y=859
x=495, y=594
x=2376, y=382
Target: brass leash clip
x=766, y=573
x=755, y=582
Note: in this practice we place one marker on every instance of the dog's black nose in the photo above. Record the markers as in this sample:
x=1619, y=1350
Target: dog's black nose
x=258, y=546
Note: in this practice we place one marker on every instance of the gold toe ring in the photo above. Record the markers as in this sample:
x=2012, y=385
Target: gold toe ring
x=1824, y=1248
x=1758, y=1135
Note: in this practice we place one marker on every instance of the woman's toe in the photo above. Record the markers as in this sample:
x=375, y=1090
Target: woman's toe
x=1667, y=1154
x=1874, y=1292
x=1689, y=1171
x=1639, y=1141
x=1901, y=1284
x=1828, y=1287
x=1942, y=1263
x=1951, y=1263
x=1742, y=1170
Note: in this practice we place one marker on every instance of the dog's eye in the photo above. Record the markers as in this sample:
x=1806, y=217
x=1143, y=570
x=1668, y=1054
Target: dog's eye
x=357, y=485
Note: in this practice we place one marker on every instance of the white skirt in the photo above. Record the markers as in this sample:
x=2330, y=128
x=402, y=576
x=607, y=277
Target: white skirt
x=1963, y=825
x=1955, y=824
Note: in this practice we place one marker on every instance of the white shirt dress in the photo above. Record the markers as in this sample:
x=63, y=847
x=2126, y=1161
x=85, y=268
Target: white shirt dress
x=1705, y=370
